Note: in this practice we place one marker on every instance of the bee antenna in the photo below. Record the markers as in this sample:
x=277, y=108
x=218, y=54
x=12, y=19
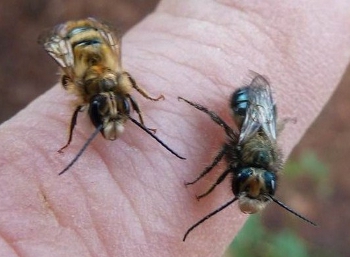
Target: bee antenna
x=291, y=211
x=156, y=138
x=208, y=216
x=93, y=135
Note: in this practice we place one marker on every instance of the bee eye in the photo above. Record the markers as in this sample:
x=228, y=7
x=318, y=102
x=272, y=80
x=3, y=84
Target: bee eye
x=270, y=182
x=126, y=106
x=97, y=104
x=242, y=175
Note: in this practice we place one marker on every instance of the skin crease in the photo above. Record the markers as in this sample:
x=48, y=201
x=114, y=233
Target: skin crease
x=127, y=197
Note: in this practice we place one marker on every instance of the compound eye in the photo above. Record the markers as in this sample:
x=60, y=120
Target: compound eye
x=242, y=176
x=270, y=182
x=126, y=106
x=96, y=107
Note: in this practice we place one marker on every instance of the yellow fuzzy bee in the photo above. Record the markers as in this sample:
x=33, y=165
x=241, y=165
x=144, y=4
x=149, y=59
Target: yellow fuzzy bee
x=89, y=55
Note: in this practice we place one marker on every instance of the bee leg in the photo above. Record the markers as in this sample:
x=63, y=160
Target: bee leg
x=213, y=116
x=218, y=181
x=71, y=128
x=136, y=108
x=141, y=90
x=209, y=167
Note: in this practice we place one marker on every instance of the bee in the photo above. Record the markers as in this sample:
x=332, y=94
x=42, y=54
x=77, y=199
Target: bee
x=252, y=155
x=89, y=55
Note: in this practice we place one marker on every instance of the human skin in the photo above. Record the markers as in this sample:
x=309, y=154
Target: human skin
x=127, y=197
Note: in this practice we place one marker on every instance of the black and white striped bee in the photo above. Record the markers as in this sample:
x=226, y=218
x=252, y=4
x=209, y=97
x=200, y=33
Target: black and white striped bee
x=89, y=55
x=252, y=155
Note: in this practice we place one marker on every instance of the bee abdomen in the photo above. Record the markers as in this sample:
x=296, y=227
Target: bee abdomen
x=239, y=105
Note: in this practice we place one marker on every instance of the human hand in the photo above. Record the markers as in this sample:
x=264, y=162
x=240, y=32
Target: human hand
x=127, y=197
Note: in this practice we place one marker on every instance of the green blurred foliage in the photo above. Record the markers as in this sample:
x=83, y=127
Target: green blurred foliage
x=255, y=240
x=309, y=166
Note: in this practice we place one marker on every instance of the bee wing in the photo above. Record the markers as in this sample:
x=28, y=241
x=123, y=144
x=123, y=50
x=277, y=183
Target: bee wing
x=59, y=48
x=261, y=112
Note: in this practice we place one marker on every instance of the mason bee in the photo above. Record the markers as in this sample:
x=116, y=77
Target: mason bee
x=89, y=55
x=252, y=155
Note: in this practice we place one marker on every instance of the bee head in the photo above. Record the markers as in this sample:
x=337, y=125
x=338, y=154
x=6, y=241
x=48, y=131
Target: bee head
x=254, y=187
x=111, y=111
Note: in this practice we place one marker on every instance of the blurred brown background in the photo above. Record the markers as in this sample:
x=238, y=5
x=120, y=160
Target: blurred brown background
x=26, y=72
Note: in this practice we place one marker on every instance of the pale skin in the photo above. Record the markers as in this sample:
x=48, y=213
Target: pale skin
x=127, y=197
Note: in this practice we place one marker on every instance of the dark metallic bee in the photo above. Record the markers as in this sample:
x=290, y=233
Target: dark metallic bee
x=252, y=156
x=89, y=54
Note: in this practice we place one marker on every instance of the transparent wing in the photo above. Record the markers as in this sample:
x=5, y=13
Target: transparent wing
x=59, y=48
x=56, y=42
x=261, y=112
x=111, y=36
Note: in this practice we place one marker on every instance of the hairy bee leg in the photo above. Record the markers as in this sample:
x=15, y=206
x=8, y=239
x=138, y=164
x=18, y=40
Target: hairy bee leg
x=141, y=90
x=71, y=128
x=218, y=181
x=136, y=108
x=207, y=169
x=213, y=116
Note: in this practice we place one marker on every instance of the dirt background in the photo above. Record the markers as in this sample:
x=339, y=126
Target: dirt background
x=26, y=72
